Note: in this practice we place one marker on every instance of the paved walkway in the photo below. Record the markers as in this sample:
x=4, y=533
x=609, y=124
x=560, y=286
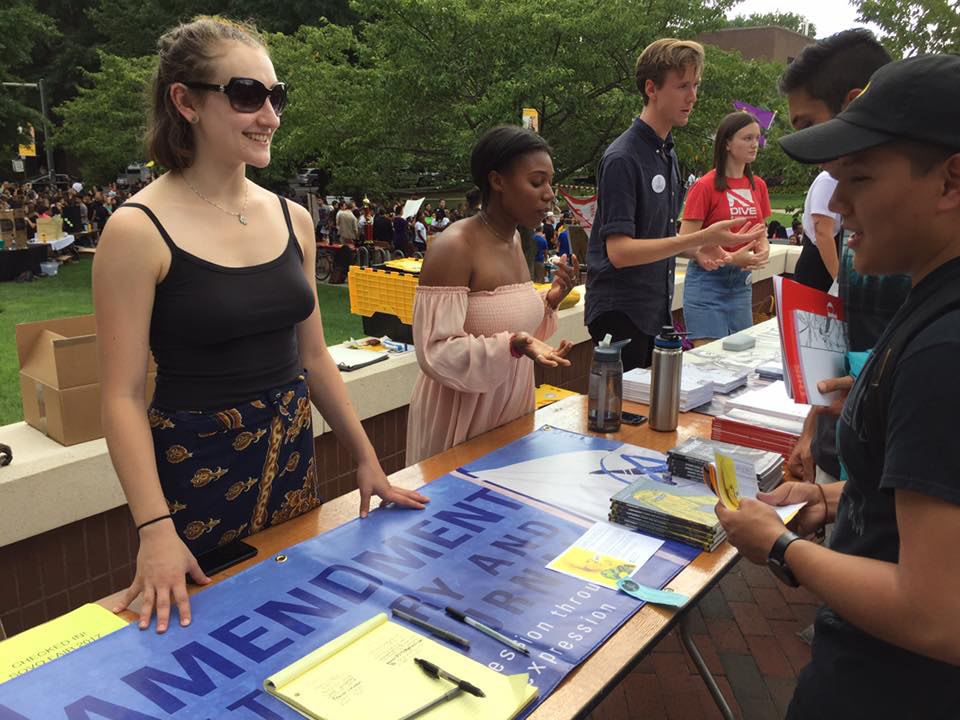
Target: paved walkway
x=746, y=629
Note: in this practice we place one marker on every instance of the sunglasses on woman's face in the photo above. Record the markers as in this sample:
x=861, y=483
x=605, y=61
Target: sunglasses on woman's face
x=247, y=95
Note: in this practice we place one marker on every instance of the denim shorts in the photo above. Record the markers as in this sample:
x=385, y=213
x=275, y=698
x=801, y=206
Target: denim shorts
x=717, y=303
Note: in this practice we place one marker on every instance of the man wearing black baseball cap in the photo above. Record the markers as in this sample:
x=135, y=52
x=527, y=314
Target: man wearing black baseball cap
x=887, y=641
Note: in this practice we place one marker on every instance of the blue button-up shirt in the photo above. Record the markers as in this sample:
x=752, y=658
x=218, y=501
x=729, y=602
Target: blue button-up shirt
x=639, y=195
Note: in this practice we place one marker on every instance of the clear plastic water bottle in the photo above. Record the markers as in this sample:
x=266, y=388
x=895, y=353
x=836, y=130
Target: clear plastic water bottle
x=665, y=380
x=605, y=395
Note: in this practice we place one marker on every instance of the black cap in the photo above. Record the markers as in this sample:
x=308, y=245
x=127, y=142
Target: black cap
x=914, y=99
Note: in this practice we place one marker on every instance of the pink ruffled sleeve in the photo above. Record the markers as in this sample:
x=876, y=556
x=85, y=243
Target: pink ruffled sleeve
x=548, y=326
x=446, y=353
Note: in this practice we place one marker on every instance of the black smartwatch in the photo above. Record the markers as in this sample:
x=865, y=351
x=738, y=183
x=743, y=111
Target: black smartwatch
x=777, y=560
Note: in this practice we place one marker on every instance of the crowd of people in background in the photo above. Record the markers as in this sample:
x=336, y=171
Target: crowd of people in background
x=81, y=207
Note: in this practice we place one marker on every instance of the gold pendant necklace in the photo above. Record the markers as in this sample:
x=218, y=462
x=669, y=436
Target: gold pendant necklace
x=498, y=236
x=238, y=215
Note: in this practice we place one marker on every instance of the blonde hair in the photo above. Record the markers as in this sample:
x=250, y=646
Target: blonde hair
x=187, y=53
x=663, y=55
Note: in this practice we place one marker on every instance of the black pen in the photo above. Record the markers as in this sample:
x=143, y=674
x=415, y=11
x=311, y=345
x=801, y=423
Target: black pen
x=433, y=629
x=436, y=671
x=489, y=631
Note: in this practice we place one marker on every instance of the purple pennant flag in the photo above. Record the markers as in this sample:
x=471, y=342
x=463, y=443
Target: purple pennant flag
x=764, y=117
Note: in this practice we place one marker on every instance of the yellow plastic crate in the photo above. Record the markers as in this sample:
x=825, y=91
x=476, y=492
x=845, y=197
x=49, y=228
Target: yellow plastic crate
x=409, y=265
x=572, y=298
x=373, y=291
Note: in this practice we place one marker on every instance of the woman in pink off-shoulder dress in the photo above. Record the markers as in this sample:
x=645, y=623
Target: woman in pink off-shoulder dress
x=479, y=324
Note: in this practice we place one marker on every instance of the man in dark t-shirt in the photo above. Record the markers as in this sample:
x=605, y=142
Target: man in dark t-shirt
x=633, y=242
x=887, y=640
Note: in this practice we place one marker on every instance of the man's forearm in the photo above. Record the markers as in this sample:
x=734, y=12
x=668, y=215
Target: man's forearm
x=873, y=596
x=625, y=251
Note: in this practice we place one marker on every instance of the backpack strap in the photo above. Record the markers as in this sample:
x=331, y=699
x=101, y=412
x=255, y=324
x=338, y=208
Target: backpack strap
x=879, y=391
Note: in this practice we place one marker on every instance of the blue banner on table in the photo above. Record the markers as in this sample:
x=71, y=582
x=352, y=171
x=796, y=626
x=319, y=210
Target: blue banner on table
x=474, y=549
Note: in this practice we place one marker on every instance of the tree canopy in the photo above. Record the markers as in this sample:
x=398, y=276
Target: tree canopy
x=392, y=94
x=916, y=27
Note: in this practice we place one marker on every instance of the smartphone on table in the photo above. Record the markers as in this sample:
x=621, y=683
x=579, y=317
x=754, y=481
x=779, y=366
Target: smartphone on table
x=220, y=558
x=629, y=418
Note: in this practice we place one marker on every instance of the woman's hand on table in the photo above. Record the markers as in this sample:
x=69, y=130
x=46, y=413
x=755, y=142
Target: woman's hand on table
x=373, y=481
x=537, y=350
x=565, y=278
x=163, y=563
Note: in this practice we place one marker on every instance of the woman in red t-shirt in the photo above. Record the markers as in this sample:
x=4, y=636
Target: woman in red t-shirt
x=717, y=303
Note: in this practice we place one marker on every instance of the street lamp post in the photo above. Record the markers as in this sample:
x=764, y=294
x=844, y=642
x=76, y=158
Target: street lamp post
x=47, y=145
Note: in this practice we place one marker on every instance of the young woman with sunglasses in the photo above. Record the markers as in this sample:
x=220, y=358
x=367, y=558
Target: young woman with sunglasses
x=215, y=276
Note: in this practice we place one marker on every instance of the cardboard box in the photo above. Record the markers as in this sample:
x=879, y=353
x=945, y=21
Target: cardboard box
x=59, y=378
x=50, y=229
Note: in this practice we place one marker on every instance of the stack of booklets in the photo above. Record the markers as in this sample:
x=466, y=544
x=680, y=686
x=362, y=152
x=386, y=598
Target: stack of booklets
x=757, y=430
x=772, y=370
x=689, y=460
x=695, y=390
x=725, y=379
x=676, y=509
x=771, y=400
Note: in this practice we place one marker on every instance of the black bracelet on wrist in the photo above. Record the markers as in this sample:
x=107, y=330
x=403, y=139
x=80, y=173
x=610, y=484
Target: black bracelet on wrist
x=141, y=526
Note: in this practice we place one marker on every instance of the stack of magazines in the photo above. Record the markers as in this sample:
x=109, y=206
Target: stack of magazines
x=689, y=460
x=670, y=508
x=695, y=390
x=757, y=430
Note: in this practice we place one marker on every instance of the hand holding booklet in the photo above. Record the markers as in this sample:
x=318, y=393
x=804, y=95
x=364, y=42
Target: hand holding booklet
x=813, y=338
x=732, y=476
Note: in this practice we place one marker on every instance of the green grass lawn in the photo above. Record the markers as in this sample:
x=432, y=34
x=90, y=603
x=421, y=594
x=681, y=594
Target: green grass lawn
x=789, y=200
x=68, y=293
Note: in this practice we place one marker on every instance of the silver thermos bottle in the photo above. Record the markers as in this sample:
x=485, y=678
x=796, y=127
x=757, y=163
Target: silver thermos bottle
x=665, y=380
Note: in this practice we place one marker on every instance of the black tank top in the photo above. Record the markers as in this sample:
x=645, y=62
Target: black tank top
x=223, y=335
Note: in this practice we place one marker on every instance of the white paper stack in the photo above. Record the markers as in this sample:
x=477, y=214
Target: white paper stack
x=695, y=390
x=771, y=400
x=725, y=380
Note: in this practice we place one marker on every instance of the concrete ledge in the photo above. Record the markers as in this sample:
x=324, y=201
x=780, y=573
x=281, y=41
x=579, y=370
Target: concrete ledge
x=49, y=485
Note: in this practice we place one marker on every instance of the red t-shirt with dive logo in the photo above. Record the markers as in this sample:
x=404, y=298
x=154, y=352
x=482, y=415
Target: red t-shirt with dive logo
x=738, y=201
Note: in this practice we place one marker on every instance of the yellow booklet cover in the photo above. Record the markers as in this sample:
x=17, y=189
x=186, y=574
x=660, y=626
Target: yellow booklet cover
x=549, y=394
x=369, y=672
x=37, y=646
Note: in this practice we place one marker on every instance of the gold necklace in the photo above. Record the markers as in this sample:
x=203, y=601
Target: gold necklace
x=238, y=215
x=498, y=236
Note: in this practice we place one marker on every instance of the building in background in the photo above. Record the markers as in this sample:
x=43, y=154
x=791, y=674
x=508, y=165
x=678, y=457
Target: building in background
x=758, y=43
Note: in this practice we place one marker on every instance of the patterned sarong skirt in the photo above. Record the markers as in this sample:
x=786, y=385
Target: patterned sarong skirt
x=228, y=474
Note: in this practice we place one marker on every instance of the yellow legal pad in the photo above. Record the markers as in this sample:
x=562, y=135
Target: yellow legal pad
x=369, y=672
x=38, y=646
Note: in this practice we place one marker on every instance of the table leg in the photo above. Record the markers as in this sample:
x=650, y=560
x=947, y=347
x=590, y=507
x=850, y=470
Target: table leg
x=687, y=639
